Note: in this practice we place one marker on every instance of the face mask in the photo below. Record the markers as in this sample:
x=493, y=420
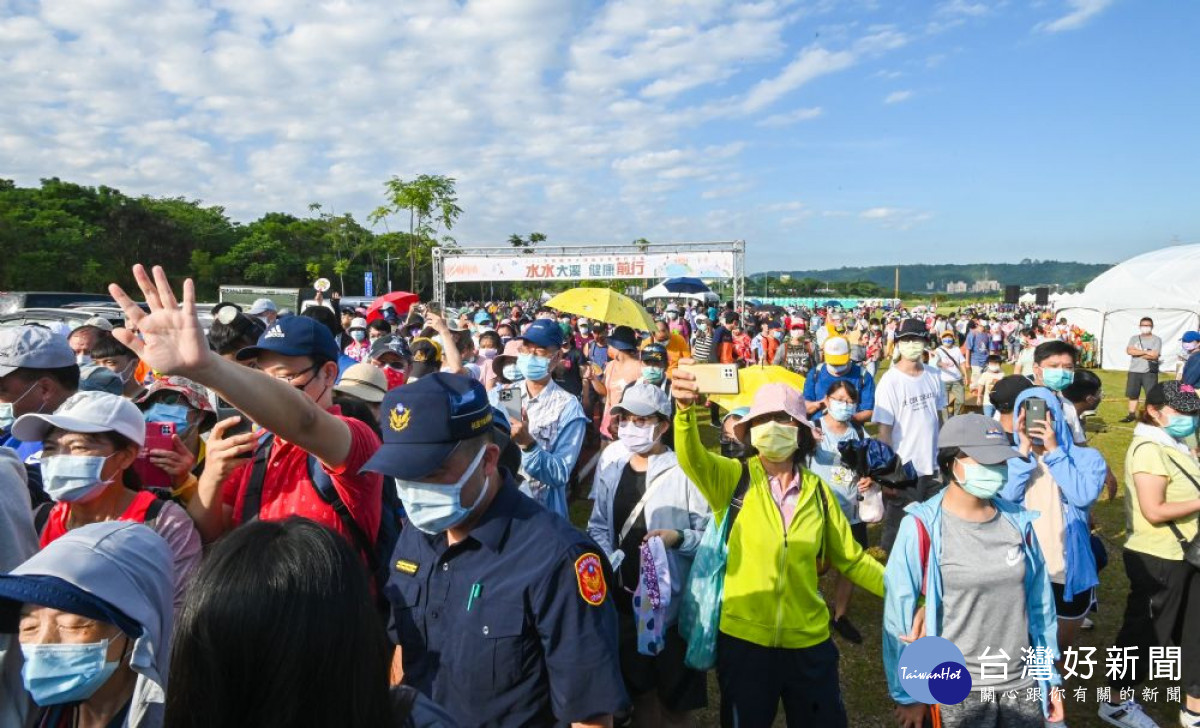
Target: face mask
x=358, y=335
x=83, y=360
x=838, y=371
x=488, y=353
x=1189, y=346
x=911, y=350
x=993, y=367
x=841, y=411
x=1180, y=426
x=127, y=372
x=511, y=373
x=796, y=334
x=774, y=441
x=73, y=478
x=984, y=481
x=1146, y=330
x=56, y=674
x=639, y=439
x=504, y=340
x=173, y=413
x=435, y=507
x=701, y=325
x=533, y=366
x=652, y=375
x=1057, y=378
x=947, y=342
x=7, y=413
x=584, y=331
x=672, y=315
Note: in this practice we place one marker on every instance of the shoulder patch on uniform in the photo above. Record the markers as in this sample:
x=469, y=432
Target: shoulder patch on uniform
x=406, y=567
x=590, y=575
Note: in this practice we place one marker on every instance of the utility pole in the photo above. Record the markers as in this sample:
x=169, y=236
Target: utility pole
x=896, y=288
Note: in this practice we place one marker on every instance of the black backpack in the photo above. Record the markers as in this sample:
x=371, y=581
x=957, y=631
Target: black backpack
x=378, y=550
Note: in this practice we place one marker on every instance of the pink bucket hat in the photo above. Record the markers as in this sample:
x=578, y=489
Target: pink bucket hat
x=771, y=399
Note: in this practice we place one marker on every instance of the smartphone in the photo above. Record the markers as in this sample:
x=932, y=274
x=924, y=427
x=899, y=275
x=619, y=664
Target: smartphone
x=714, y=378
x=512, y=399
x=1035, y=411
x=224, y=413
x=159, y=436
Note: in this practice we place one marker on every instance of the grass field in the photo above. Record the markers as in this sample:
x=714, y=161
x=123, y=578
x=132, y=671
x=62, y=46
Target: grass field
x=864, y=687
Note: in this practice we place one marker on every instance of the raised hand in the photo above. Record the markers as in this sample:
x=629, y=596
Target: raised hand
x=172, y=340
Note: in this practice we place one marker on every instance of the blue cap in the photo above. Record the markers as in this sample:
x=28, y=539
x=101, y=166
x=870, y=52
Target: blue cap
x=294, y=336
x=483, y=317
x=545, y=333
x=60, y=594
x=424, y=421
x=1191, y=337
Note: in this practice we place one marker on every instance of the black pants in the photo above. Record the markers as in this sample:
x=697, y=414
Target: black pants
x=1162, y=610
x=754, y=679
x=893, y=507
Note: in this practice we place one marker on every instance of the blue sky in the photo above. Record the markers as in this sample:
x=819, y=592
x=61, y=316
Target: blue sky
x=823, y=133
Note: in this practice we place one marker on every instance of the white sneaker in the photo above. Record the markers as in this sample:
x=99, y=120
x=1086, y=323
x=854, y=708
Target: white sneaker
x=1127, y=715
x=1087, y=624
x=1188, y=721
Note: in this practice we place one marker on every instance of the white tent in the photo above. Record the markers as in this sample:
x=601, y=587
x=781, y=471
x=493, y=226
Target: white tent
x=1027, y=298
x=659, y=293
x=1163, y=284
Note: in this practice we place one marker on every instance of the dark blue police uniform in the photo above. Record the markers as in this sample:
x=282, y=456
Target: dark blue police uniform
x=537, y=643
x=513, y=625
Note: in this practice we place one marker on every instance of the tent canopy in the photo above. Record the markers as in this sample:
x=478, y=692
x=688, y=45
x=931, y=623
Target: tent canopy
x=660, y=292
x=1160, y=284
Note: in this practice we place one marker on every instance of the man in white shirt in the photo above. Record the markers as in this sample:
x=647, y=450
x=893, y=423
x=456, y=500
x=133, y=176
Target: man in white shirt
x=952, y=367
x=909, y=404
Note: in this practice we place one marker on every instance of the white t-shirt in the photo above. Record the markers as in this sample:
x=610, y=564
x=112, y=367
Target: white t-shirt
x=949, y=363
x=911, y=406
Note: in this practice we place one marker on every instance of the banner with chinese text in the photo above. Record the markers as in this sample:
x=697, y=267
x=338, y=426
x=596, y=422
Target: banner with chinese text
x=476, y=269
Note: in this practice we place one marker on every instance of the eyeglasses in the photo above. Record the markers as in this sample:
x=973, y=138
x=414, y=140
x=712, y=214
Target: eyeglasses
x=291, y=378
x=639, y=421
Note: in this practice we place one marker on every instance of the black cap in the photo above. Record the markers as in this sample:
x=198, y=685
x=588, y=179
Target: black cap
x=1176, y=395
x=1005, y=391
x=912, y=328
x=654, y=354
x=623, y=338
x=424, y=421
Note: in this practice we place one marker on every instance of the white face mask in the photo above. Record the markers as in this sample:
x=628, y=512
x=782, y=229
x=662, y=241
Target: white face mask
x=639, y=439
x=1146, y=330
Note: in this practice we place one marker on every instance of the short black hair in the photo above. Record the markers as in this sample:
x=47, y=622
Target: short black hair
x=945, y=462
x=1147, y=318
x=380, y=325
x=326, y=318
x=66, y=377
x=107, y=346
x=229, y=338
x=1054, y=347
x=1085, y=383
x=994, y=359
x=236, y=658
x=843, y=384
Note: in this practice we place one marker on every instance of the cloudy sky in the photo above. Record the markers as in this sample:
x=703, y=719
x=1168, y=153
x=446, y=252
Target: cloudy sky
x=824, y=132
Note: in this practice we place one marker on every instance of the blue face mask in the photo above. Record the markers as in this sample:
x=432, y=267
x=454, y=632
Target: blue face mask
x=533, y=366
x=652, y=375
x=56, y=674
x=1057, y=378
x=1180, y=426
x=358, y=335
x=841, y=411
x=73, y=478
x=435, y=507
x=984, y=481
x=511, y=373
x=839, y=371
x=7, y=413
x=176, y=414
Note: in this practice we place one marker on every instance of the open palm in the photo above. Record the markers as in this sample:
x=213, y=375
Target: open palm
x=172, y=340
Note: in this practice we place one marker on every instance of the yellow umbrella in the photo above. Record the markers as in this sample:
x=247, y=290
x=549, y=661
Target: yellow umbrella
x=603, y=304
x=751, y=378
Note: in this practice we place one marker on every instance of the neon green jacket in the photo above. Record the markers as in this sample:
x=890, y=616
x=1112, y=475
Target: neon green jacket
x=771, y=596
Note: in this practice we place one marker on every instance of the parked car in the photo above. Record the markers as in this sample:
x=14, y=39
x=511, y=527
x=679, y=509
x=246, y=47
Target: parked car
x=12, y=300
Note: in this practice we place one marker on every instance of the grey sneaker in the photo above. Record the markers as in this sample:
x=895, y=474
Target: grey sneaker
x=1127, y=715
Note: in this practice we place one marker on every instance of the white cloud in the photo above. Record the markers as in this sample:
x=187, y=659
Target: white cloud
x=897, y=97
x=1079, y=13
x=895, y=218
x=792, y=117
x=962, y=8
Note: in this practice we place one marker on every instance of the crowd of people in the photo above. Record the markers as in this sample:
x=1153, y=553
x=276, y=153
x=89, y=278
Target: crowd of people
x=508, y=515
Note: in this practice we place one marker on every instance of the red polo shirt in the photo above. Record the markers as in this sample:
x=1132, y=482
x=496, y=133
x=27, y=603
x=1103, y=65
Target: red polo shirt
x=288, y=490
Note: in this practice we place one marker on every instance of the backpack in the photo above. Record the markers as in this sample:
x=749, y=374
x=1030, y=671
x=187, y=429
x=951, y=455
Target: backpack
x=377, y=550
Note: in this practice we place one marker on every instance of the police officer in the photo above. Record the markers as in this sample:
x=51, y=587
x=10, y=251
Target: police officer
x=500, y=608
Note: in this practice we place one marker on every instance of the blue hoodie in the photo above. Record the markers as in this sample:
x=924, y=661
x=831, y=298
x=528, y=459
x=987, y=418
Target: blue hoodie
x=1079, y=472
x=902, y=587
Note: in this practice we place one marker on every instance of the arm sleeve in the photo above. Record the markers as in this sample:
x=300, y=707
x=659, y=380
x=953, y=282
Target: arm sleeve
x=714, y=476
x=810, y=384
x=1019, y=472
x=18, y=539
x=1080, y=474
x=699, y=517
x=866, y=397
x=902, y=587
x=177, y=529
x=584, y=683
x=844, y=551
x=885, y=408
x=597, y=525
x=553, y=467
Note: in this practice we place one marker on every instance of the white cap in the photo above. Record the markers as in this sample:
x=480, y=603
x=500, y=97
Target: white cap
x=358, y=323
x=99, y=322
x=261, y=306
x=644, y=399
x=87, y=412
x=32, y=347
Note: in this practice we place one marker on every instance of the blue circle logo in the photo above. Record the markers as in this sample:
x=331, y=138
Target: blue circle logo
x=932, y=670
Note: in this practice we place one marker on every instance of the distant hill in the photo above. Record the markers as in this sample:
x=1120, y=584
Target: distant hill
x=923, y=278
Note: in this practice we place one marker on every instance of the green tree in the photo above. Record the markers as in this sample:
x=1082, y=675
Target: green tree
x=432, y=205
